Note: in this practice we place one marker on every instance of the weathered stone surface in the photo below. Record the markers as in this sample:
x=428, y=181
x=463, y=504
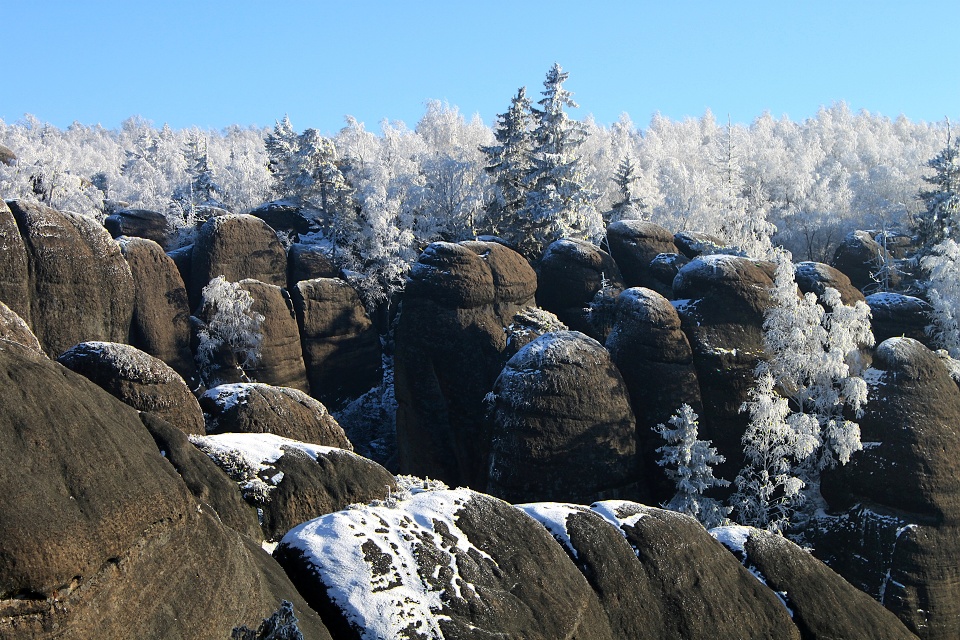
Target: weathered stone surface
x=815, y=277
x=693, y=244
x=161, y=311
x=824, y=605
x=721, y=301
x=285, y=216
x=860, y=257
x=479, y=568
x=450, y=347
x=341, y=347
x=80, y=285
x=308, y=262
x=14, y=329
x=183, y=258
x=290, y=482
x=664, y=269
x=139, y=223
x=894, y=315
x=14, y=276
x=138, y=379
x=7, y=156
x=633, y=246
x=281, y=357
x=569, y=275
x=236, y=246
x=261, y=408
x=896, y=532
x=653, y=354
x=105, y=540
x=562, y=428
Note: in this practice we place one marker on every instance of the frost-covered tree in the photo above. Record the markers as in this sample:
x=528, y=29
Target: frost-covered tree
x=940, y=218
x=689, y=463
x=232, y=331
x=280, y=625
x=201, y=189
x=629, y=204
x=943, y=292
x=282, y=145
x=508, y=164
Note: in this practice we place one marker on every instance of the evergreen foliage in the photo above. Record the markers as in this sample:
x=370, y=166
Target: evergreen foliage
x=943, y=292
x=941, y=217
x=508, y=164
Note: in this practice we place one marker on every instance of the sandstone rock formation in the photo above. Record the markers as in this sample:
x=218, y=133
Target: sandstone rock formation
x=14, y=329
x=633, y=245
x=861, y=257
x=307, y=262
x=139, y=223
x=14, y=276
x=815, y=277
x=281, y=358
x=895, y=315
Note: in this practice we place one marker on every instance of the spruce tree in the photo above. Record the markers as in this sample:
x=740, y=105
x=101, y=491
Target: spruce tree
x=941, y=217
x=629, y=206
x=509, y=164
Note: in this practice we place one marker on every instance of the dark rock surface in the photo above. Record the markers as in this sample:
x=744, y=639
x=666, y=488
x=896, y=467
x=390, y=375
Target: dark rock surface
x=569, y=275
x=139, y=223
x=895, y=315
x=281, y=358
x=7, y=156
x=633, y=244
x=236, y=246
x=654, y=357
x=453, y=564
x=14, y=329
x=341, y=347
x=80, y=285
x=861, y=257
x=562, y=427
x=261, y=408
x=664, y=269
x=105, y=540
x=815, y=277
x=308, y=262
x=694, y=244
x=14, y=276
x=450, y=347
x=161, y=311
x=138, y=379
x=284, y=216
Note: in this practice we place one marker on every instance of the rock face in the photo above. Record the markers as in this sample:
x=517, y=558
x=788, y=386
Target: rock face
x=815, y=277
x=161, y=311
x=341, y=347
x=236, y=246
x=693, y=244
x=139, y=223
x=284, y=216
x=138, y=379
x=281, y=359
x=569, y=275
x=633, y=245
x=653, y=354
x=824, y=605
x=7, y=156
x=450, y=347
x=896, y=534
x=14, y=329
x=80, y=285
x=261, y=408
x=105, y=540
x=860, y=257
x=308, y=262
x=562, y=428
x=894, y=315
x=721, y=301
x=14, y=275
x=289, y=482
x=453, y=564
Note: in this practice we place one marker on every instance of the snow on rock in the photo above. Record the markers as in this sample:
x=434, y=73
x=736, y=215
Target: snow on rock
x=619, y=513
x=228, y=396
x=734, y=538
x=553, y=515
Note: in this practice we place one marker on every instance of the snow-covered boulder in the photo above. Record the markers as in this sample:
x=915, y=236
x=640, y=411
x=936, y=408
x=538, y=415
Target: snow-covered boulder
x=815, y=277
x=633, y=246
x=894, y=315
x=307, y=262
x=286, y=216
x=252, y=407
x=861, y=257
x=451, y=344
x=569, y=275
x=138, y=379
x=80, y=286
x=562, y=427
x=440, y=564
x=289, y=482
x=341, y=346
x=161, y=311
x=694, y=244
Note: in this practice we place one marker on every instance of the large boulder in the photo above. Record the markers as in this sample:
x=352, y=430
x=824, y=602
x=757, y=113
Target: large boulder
x=286, y=216
x=633, y=245
x=281, y=356
x=236, y=246
x=138, y=379
x=139, y=223
x=261, y=408
x=569, y=275
x=101, y=537
x=654, y=357
x=861, y=258
x=308, y=262
x=721, y=301
x=289, y=482
x=7, y=156
x=341, y=346
x=80, y=286
x=815, y=277
x=694, y=244
x=450, y=347
x=562, y=427
x=895, y=315
x=895, y=528
x=14, y=329
x=161, y=311
x=14, y=274
x=440, y=564
x=822, y=604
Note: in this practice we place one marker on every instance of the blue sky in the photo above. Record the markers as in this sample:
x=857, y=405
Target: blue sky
x=213, y=64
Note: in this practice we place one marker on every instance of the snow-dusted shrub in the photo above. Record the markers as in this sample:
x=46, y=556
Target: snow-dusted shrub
x=281, y=625
x=943, y=293
x=232, y=325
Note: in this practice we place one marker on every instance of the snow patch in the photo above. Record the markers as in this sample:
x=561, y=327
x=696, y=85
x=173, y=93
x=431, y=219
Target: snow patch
x=733, y=537
x=553, y=516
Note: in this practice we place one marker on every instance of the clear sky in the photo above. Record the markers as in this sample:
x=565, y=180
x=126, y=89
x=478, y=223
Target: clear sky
x=215, y=63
